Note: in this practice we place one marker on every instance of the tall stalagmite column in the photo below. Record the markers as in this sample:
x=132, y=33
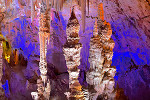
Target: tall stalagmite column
x=72, y=50
x=1, y=67
x=44, y=30
x=100, y=76
x=1, y=60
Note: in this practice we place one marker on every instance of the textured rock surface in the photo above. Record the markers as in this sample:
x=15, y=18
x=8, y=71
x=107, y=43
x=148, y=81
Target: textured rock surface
x=2, y=95
x=100, y=75
x=43, y=83
x=72, y=49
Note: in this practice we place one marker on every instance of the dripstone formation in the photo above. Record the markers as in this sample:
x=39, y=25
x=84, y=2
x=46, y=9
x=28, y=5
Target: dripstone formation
x=1, y=69
x=43, y=83
x=72, y=50
x=2, y=94
x=100, y=76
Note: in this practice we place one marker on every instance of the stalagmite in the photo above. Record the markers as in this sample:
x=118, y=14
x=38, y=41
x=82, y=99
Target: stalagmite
x=93, y=76
x=1, y=72
x=44, y=30
x=72, y=50
x=1, y=60
x=101, y=75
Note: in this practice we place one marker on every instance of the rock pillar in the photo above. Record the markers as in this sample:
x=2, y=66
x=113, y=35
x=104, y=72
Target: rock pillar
x=72, y=50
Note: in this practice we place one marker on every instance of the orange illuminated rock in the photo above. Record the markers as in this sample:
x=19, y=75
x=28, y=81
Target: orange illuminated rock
x=16, y=54
x=100, y=12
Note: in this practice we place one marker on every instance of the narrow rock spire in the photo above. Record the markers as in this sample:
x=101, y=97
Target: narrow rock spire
x=43, y=83
x=72, y=49
x=95, y=31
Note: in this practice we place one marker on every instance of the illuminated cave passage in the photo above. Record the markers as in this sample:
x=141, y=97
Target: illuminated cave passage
x=74, y=49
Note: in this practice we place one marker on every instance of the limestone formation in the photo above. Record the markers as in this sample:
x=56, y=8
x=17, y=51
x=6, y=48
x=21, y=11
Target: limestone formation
x=1, y=62
x=1, y=72
x=72, y=50
x=43, y=83
x=101, y=74
x=32, y=10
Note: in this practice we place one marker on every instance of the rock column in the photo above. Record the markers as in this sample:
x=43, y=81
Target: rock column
x=1, y=67
x=1, y=61
x=100, y=76
x=44, y=30
x=72, y=50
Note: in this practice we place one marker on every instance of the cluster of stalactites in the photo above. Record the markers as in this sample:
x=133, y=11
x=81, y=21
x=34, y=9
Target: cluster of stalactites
x=57, y=4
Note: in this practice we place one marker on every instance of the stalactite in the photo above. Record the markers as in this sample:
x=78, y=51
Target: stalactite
x=88, y=6
x=72, y=50
x=55, y=4
x=58, y=4
x=52, y=3
x=32, y=10
x=79, y=2
x=83, y=10
x=71, y=2
x=47, y=4
x=61, y=4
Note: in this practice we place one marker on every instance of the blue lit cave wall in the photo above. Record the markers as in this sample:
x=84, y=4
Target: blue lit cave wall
x=130, y=23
